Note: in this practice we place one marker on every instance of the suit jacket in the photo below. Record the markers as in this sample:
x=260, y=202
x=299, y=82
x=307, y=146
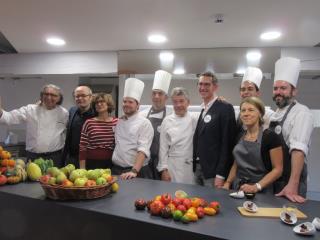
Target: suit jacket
x=214, y=139
x=66, y=151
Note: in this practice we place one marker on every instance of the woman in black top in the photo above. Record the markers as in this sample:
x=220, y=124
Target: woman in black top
x=258, y=154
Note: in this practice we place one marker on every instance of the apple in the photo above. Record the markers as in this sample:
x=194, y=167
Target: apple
x=52, y=181
x=215, y=205
x=200, y=212
x=70, y=167
x=91, y=183
x=80, y=182
x=177, y=201
x=140, y=204
x=67, y=183
x=61, y=177
x=166, y=198
x=182, y=208
x=45, y=178
x=53, y=171
x=3, y=179
x=101, y=181
x=155, y=207
x=187, y=203
x=107, y=171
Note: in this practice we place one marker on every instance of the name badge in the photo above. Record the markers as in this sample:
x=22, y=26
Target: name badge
x=278, y=129
x=207, y=118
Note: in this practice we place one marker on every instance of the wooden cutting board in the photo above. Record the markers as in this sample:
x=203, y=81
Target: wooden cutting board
x=269, y=213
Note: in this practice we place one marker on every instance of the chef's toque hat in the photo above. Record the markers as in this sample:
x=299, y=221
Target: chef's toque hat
x=161, y=81
x=287, y=69
x=253, y=75
x=133, y=88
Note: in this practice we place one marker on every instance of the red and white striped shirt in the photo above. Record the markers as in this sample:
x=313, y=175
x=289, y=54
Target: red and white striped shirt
x=97, y=134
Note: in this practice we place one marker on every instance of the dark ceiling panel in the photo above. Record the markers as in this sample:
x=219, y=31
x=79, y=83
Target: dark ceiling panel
x=5, y=45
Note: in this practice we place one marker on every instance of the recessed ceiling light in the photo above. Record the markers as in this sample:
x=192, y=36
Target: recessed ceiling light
x=166, y=56
x=253, y=56
x=157, y=38
x=179, y=71
x=56, y=41
x=270, y=35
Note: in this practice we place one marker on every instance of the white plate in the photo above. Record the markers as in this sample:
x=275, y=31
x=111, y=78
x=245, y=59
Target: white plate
x=292, y=215
x=250, y=206
x=239, y=194
x=309, y=231
x=316, y=223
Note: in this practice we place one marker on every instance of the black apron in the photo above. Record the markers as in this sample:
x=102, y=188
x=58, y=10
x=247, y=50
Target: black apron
x=250, y=165
x=154, y=149
x=284, y=179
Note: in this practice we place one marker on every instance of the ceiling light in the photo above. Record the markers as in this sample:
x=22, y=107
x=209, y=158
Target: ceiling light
x=179, y=71
x=56, y=41
x=166, y=56
x=253, y=56
x=157, y=38
x=270, y=35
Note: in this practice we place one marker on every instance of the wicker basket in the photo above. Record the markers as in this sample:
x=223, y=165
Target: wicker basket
x=58, y=192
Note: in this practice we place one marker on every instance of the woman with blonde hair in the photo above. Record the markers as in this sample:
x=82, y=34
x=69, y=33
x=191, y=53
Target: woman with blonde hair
x=97, y=136
x=258, y=156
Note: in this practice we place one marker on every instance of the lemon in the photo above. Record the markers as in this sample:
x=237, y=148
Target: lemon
x=180, y=194
x=115, y=187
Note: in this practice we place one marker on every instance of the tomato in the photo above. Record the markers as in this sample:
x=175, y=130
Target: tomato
x=215, y=205
x=166, y=198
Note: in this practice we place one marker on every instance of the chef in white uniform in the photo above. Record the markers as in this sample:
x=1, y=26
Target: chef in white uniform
x=293, y=122
x=45, y=124
x=133, y=135
x=156, y=113
x=176, y=136
x=250, y=87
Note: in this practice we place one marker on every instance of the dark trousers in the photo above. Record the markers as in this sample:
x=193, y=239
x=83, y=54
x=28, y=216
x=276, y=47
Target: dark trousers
x=72, y=159
x=55, y=156
x=94, y=164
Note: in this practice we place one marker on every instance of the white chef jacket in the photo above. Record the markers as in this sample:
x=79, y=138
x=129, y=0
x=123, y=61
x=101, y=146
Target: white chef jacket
x=45, y=129
x=176, y=147
x=158, y=115
x=266, y=118
x=131, y=136
x=297, y=128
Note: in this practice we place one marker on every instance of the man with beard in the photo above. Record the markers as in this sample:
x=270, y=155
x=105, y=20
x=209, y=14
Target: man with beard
x=293, y=122
x=156, y=114
x=77, y=116
x=133, y=135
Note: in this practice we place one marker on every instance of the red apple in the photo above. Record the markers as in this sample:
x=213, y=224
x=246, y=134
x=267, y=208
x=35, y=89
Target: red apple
x=155, y=207
x=45, y=178
x=67, y=183
x=90, y=183
x=166, y=198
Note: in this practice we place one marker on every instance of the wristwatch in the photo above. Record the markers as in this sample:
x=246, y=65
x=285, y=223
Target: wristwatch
x=134, y=171
x=258, y=186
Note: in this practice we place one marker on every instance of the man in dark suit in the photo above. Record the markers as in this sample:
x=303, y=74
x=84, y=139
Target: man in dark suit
x=214, y=136
x=77, y=116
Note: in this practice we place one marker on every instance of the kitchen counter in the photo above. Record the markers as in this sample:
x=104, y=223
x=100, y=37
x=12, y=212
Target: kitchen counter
x=26, y=213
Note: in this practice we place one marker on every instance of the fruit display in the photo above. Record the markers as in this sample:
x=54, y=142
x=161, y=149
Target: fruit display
x=70, y=183
x=12, y=171
x=180, y=208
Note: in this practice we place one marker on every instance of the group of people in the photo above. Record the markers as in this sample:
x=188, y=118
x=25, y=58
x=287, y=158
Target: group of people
x=252, y=148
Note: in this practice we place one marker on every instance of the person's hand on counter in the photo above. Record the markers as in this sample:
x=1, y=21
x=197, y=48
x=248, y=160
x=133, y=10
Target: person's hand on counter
x=291, y=193
x=128, y=175
x=165, y=176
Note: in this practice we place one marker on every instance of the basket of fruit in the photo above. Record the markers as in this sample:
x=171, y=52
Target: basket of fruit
x=79, y=185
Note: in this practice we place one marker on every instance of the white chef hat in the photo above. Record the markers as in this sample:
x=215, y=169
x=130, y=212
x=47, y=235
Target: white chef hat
x=133, y=88
x=287, y=69
x=253, y=75
x=161, y=81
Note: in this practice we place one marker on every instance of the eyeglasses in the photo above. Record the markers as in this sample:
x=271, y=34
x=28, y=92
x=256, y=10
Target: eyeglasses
x=50, y=94
x=82, y=96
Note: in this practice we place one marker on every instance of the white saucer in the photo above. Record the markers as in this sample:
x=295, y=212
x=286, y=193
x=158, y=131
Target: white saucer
x=253, y=208
x=239, y=194
x=309, y=231
x=284, y=219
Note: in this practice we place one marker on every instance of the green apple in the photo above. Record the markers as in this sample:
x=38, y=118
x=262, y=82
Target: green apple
x=101, y=181
x=80, y=182
x=52, y=181
x=107, y=171
x=70, y=167
x=61, y=177
x=53, y=171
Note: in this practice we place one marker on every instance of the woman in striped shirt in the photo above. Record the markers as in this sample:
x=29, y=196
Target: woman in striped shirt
x=97, y=136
